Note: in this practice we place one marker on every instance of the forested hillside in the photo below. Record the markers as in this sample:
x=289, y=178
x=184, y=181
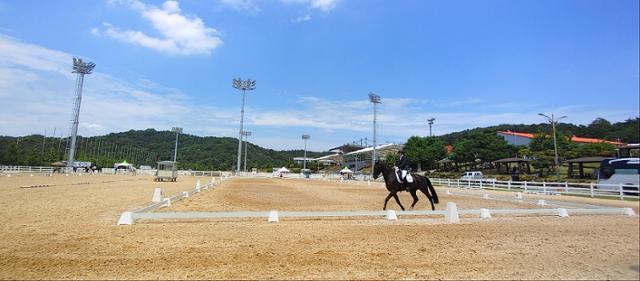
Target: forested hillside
x=145, y=148
x=627, y=131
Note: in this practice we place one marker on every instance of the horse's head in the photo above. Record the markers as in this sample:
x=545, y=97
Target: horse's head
x=377, y=169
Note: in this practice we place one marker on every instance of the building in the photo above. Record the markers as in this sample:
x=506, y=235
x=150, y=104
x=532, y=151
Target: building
x=516, y=138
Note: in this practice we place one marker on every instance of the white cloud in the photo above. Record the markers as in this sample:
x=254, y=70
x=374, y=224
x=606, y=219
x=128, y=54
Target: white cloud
x=324, y=5
x=244, y=6
x=180, y=34
x=304, y=18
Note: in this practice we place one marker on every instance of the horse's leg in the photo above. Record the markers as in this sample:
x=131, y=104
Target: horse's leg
x=426, y=192
x=395, y=195
x=387, y=200
x=415, y=197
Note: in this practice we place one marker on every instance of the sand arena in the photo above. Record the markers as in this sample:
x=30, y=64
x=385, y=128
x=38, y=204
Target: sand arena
x=69, y=231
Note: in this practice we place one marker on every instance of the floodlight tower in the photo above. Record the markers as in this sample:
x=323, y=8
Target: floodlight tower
x=375, y=99
x=244, y=86
x=430, y=120
x=81, y=68
x=553, y=122
x=246, y=135
x=304, y=161
x=178, y=131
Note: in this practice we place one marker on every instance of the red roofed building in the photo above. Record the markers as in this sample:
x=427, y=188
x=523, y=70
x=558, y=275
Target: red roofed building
x=516, y=138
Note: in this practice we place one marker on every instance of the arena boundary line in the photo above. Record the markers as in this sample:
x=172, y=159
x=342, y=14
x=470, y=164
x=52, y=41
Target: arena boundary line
x=390, y=215
x=128, y=217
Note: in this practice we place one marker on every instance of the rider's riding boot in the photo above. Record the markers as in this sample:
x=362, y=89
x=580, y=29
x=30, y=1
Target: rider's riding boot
x=406, y=186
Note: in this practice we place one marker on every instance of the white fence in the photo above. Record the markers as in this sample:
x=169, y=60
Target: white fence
x=25, y=169
x=566, y=188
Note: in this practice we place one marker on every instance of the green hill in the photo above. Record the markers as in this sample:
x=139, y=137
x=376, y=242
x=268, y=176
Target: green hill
x=145, y=147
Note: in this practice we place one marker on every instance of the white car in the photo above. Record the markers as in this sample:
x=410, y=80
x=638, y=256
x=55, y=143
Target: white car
x=472, y=176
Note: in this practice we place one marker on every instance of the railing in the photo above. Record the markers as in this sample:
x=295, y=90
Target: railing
x=25, y=169
x=621, y=191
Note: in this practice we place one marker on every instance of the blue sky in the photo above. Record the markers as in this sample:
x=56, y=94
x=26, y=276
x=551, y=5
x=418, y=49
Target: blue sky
x=170, y=63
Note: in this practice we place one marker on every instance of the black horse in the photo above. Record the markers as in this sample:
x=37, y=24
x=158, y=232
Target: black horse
x=421, y=183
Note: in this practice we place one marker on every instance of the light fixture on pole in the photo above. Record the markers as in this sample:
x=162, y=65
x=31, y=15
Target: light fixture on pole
x=375, y=99
x=553, y=122
x=430, y=124
x=304, y=161
x=178, y=131
x=81, y=68
x=244, y=86
x=246, y=135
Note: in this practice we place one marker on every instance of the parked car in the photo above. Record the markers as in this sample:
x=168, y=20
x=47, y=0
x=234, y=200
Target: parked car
x=476, y=175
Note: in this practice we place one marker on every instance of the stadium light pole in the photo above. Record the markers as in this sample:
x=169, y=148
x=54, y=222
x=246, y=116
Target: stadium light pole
x=178, y=131
x=375, y=99
x=553, y=122
x=82, y=68
x=246, y=135
x=244, y=86
x=430, y=120
x=304, y=161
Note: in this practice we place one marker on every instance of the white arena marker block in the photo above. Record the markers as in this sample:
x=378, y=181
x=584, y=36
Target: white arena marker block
x=157, y=195
x=629, y=212
x=485, y=196
x=167, y=202
x=126, y=218
x=562, y=212
x=541, y=202
x=31, y=175
x=485, y=214
x=273, y=216
x=391, y=215
x=185, y=194
x=448, y=192
x=451, y=215
x=518, y=195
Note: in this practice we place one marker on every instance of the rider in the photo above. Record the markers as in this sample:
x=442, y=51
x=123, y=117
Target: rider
x=403, y=167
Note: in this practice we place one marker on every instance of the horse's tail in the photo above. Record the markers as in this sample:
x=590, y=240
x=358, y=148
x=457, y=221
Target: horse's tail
x=433, y=191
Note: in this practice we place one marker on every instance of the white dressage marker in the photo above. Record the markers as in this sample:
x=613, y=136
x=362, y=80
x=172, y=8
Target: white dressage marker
x=273, y=216
x=451, y=216
x=485, y=214
x=562, y=212
x=391, y=215
x=157, y=195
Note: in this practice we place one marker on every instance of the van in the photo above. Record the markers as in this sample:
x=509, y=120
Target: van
x=472, y=176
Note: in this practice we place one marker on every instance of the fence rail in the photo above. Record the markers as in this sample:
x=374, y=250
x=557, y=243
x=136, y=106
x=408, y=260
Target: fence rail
x=620, y=191
x=25, y=169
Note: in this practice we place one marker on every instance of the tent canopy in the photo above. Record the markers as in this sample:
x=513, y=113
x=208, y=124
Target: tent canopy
x=346, y=171
x=283, y=170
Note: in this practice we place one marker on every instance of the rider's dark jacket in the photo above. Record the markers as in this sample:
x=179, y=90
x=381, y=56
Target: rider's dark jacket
x=403, y=164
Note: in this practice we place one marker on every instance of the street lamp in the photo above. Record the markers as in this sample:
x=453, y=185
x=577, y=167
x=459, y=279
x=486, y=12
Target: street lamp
x=246, y=135
x=81, y=68
x=430, y=123
x=178, y=131
x=375, y=99
x=553, y=122
x=304, y=161
x=243, y=85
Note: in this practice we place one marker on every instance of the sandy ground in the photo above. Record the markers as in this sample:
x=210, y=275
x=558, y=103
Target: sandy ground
x=68, y=231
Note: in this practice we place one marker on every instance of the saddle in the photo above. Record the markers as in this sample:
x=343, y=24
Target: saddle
x=407, y=176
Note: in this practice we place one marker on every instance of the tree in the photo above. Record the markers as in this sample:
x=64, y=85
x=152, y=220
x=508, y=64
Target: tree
x=481, y=147
x=425, y=150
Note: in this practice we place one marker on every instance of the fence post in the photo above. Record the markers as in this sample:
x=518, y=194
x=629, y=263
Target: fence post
x=481, y=184
x=525, y=186
x=448, y=182
x=509, y=185
x=544, y=188
x=566, y=187
x=494, y=184
x=591, y=189
x=621, y=193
